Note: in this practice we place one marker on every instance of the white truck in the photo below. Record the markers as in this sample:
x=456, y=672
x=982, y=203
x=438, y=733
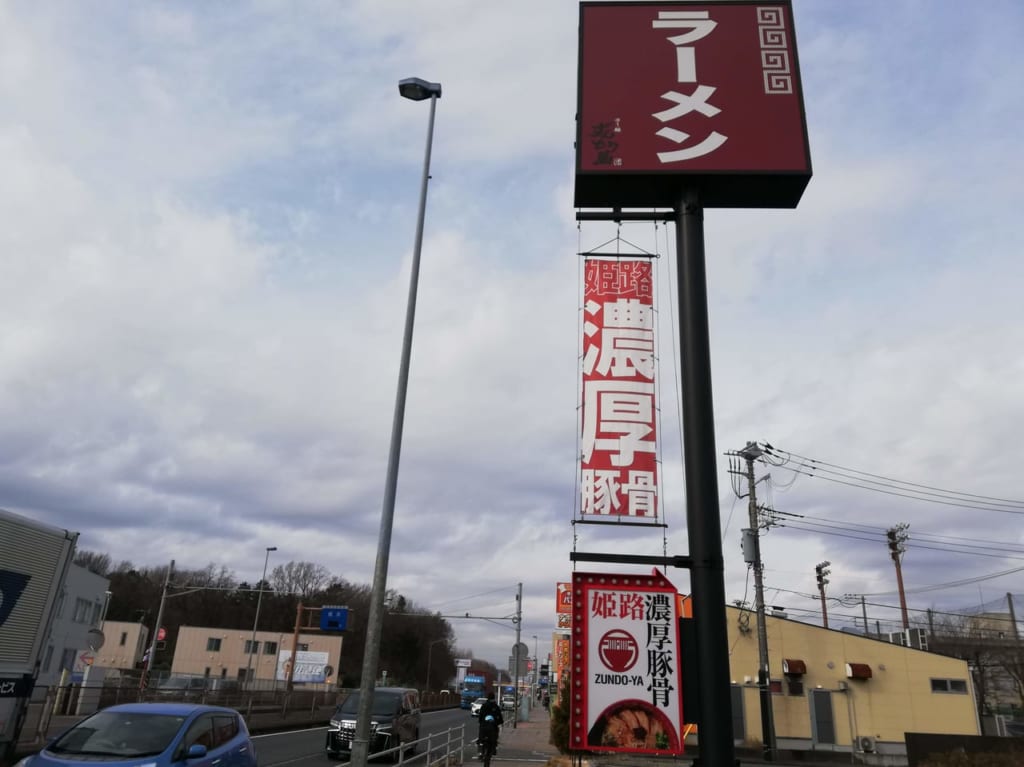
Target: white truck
x=34, y=563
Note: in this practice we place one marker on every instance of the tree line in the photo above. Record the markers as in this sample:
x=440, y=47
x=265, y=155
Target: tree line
x=215, y=598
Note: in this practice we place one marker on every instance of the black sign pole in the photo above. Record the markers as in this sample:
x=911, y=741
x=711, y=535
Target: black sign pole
x=707, y=567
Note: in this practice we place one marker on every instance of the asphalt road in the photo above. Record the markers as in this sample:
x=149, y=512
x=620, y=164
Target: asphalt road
x=305, y=748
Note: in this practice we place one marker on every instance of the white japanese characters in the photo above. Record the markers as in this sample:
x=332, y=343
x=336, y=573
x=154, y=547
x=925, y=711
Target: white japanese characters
x=695, y=25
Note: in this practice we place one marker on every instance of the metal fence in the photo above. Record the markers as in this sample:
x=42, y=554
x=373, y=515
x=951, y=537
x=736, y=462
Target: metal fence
x=438, y=749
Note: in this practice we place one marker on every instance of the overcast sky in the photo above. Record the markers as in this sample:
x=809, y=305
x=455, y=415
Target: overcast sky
x=208, y=214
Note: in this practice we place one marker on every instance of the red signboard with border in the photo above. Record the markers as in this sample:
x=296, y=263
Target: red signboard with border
x=626, y=653
x=563, y=598
x=692, y=95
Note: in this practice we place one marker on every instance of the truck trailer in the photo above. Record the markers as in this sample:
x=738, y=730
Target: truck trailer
x=34, y=563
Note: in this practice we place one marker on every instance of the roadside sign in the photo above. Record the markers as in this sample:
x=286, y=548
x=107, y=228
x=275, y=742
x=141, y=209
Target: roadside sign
x=627, y=681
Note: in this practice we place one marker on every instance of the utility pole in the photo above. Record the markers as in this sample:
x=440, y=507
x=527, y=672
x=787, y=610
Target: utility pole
x=300, y=610
x=750, y=453
x=897, y=545
x=1013, y=617
x=516, y=659
x=864, y=609
x=290, y=676
x=156, y=628
x=822, y=571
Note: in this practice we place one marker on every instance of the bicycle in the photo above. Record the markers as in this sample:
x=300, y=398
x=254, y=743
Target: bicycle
x=487, y=750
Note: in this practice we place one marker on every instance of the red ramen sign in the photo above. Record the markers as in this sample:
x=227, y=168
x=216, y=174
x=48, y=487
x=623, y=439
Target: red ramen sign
x=625, y=664
x=689, y=95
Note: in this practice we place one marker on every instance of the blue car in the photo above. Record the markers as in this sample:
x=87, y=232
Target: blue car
x=154, y=734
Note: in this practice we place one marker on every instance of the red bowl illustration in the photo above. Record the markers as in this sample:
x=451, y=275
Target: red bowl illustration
x=633, y=725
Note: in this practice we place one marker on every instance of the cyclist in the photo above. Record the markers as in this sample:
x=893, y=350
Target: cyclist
x=488, y=738
x=490, y=717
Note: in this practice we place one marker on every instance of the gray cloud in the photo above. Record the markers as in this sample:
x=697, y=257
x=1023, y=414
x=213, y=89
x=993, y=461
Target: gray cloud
x=205, y=261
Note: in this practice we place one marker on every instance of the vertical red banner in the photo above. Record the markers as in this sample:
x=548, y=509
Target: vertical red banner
x=619, y=475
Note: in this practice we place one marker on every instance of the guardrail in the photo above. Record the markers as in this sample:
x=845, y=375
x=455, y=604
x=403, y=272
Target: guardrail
x=439, y=749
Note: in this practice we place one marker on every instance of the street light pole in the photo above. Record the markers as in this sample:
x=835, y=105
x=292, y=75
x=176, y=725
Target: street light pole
x=256, y=620
x=417, y=90
x=430, y=650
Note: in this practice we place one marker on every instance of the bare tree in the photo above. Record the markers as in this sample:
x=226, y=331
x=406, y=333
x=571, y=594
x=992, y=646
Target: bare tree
x=211, y=577
x=301, y=578
x=995, y=660
x=1010, y=658
x=94, y=562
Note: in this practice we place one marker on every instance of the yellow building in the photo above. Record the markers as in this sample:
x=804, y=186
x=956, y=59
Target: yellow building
x=225, y=653
x=837, y=691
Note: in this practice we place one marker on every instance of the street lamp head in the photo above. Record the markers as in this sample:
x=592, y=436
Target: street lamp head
x=416, y=89
x=271, y=548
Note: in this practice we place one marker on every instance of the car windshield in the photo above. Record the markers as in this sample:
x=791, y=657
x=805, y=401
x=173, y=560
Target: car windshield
x=120, y=734
x=383, y=704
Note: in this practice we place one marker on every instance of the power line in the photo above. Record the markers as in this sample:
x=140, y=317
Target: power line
x=792, y=526
x=901, y=495
x=812, y=467
x=951, y=584
x=994, y=618
x=502, y=590
x=948, y=548
x=849, y=525
x=930, y=537
x=916, y=542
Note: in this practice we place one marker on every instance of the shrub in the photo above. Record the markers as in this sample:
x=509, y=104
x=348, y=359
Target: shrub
x=560, y=716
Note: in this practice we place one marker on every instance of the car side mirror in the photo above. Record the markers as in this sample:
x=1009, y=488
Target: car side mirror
x=196, y=750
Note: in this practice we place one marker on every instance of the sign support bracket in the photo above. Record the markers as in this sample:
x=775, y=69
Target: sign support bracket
x=681, y=561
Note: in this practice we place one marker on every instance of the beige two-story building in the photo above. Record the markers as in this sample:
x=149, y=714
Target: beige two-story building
x=124, y=645
x=231, y=654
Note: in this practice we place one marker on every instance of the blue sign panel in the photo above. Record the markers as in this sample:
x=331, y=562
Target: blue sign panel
x=333, y=618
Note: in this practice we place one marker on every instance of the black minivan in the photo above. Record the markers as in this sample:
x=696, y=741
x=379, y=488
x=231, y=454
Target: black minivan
x=394, y=720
